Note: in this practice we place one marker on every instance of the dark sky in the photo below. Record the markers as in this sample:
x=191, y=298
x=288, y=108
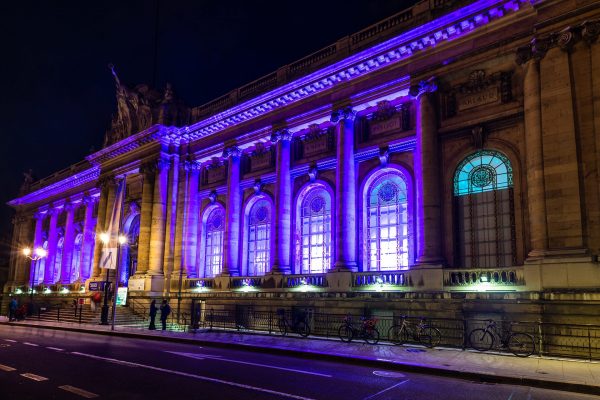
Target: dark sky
x=58, y=94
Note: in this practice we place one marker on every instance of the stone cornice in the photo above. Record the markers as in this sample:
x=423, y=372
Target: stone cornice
x=59, y=187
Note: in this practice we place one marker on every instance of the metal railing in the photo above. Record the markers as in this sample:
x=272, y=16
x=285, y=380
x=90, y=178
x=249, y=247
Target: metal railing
x=551, y=339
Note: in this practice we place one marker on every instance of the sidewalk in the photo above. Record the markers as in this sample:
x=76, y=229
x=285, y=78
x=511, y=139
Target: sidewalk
x=558, y=374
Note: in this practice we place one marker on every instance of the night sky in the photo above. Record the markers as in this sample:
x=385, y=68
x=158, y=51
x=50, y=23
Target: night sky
x=58, y=94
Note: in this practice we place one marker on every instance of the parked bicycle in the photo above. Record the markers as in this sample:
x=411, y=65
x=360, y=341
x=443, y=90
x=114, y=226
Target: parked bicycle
x=367, y=330
x=520, y=344
x=421, y=332
x=298, y=326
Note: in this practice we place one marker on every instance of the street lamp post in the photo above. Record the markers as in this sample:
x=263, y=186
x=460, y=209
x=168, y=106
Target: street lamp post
x=34, y=256
x=105, y=238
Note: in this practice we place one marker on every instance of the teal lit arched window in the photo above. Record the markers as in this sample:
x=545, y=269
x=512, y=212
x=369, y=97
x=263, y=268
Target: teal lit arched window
x=483, y=171
x=259, y=233
x=484, y=200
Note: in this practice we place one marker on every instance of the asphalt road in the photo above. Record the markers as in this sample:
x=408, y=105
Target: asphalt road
x=48, y=364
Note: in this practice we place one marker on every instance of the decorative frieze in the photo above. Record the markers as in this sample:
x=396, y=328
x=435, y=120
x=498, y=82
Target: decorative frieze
x=214, y=172
x=480, y=90
x=261, y=158
x=316, y=141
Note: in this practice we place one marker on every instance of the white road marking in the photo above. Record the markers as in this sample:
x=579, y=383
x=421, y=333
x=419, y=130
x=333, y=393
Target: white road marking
x=30, y=344
x=385, y=390
x=6, y=368
x=389, y=374
x=10, y=340
x=34, y=377
x=81, y=392
x=55, y=348
x=200, y=377
x=219, y=358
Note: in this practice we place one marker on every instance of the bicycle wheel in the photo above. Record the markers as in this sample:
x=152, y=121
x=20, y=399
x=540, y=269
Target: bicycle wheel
x=303, y=329
x=430, y=336
x=397, y=334
x=481, y=339
x=521, y=344
x=345, y=333
x=371, y=336
x=282, y=327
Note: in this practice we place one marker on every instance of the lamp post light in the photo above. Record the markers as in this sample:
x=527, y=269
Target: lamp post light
x=35, y=256
x=122, y=239
x=105, y=239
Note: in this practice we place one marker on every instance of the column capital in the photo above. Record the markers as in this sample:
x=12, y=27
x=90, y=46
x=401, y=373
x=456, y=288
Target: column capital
x=281, y=134
x=232, y=151
x=346, y=113
x=53, y=211
x=591, y=30
x=70, y=207
x=161, y=164
x=39, y=215
x=89, y=200
x=191, y=165
x=423, y=87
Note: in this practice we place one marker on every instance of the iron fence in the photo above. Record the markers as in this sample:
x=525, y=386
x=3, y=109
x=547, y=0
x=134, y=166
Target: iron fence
x=551, y=339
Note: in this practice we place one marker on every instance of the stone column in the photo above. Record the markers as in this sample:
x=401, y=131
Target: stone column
x=191, y=219
x=561, y=158
x=179, y=251
x=52, y=243
x=159, y=218
x=38, y=242
x=68, y=242
x=231, y=240
x=99, y=229
x=87, y=245
x=427, y=175
x=25, y=234
x=345, y=191
x=148, y=170
x=171, y=216
x=534, y=158
x=281, y=240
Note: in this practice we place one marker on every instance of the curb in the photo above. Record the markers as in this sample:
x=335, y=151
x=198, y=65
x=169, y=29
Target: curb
x=356, y=360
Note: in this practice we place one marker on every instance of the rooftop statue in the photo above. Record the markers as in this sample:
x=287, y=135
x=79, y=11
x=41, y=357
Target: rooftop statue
x=141, y=107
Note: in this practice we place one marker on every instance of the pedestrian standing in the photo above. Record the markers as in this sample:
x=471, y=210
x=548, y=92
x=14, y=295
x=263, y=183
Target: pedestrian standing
x=165, y=310
x=12, y=310
x=153, y=311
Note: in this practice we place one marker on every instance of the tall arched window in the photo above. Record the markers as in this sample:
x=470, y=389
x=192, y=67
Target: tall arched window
x=484, y=207
x=129, y=251
x=313, y=248
x=214, y=229
x=259, y=234
x=41, y=266
x=386, y=223
x=76, y=262
x=58, y=259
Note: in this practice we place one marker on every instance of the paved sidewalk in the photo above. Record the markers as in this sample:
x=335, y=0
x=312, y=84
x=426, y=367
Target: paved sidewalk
x=559, y=374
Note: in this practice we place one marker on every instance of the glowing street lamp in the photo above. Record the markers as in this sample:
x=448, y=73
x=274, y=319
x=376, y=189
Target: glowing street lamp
x=34, y=256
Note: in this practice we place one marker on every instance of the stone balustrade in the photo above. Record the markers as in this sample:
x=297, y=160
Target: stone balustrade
x=376, y=280
x=314, y=280
x=496, y=277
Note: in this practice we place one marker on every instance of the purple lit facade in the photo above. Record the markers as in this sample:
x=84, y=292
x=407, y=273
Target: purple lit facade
x=416, y=159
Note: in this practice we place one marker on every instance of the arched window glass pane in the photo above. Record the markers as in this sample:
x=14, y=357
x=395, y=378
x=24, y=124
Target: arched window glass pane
x=387, y=224
x=485, y=211
x=213, y=239
x=483, y=171
x=41, y=266
x=75, y=263
x=315, y=222
x=259, y=230
x=58, y=259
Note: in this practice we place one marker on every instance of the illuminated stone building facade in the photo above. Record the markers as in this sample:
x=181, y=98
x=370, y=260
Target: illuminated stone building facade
x=448, y=153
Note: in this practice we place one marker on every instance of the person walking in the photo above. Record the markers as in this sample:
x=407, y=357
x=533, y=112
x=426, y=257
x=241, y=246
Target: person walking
x=12, y=310
x=153, y=311
x=165, y=310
